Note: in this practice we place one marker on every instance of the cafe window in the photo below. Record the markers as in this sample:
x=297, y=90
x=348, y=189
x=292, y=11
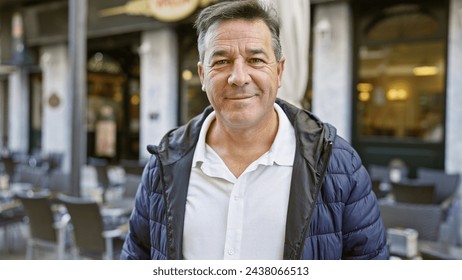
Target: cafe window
x=401, y=81
x=193, y=99
x=104, y=111
x=36, y=111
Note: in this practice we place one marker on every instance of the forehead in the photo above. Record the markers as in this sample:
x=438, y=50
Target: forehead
x=237, y=32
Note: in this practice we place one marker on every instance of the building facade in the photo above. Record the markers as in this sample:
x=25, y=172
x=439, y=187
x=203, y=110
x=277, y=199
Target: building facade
x=355, y=65
x=395, y=66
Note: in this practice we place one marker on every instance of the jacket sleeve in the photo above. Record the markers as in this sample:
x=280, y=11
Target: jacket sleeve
x=137, y=242
x=364, y=235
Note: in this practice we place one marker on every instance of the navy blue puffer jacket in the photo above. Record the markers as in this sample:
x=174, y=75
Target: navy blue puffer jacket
x=333, y=214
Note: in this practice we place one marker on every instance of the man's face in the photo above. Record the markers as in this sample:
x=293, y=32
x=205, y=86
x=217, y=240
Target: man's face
x=240, y=73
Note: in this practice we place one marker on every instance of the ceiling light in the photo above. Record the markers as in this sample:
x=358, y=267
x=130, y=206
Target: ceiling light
x=425, y=70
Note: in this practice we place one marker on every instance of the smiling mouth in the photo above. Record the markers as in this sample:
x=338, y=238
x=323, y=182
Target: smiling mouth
x=240, y=97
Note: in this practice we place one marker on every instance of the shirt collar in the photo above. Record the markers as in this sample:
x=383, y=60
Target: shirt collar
x=281, y=152
x=199, y=154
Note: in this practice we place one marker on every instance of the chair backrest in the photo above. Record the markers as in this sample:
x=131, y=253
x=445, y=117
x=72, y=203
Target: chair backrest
x=425, y=218
x=58, y=181
x=9, y=166
x=101, y=166
x=87, y=225
x=131, y=185
x=446, y=184
x=387, y=174
x=132, y=167
x=376, y=188
x=413, y=193
x=30, y=175
x=54, y=162
x=41, y=219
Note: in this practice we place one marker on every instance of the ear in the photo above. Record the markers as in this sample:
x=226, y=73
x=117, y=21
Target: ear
x=200, y=71
x=280, y=69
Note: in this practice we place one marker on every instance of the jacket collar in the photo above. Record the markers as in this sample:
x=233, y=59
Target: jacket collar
x=314, y=141
x=310, y=130
x=313, y=149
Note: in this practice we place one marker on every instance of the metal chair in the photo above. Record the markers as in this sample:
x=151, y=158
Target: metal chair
x=102, y=175
x=31, y=175
x=58, y=182
x=101, y=166
x=445, y=184
x=53, y=176
x=9, y=167
x=387, y=174
x=378, y=191
x=131, y=185
x=425, y=218
x=46, y=228
x=422, y=193
x=11, y=217
x=132, y=167
x=92, y=238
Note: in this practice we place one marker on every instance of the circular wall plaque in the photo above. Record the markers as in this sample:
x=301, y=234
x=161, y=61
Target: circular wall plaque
x=54, y=100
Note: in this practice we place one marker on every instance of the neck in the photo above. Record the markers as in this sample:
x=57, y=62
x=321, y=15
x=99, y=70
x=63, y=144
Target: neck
x=238, y=148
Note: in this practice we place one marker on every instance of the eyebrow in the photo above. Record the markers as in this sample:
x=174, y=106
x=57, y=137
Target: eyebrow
x=219, y=53
x=251, y=51
x=258, y=51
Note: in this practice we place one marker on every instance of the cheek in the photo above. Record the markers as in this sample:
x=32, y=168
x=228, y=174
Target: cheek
x=267, y=84
x=214, y=83
x=214, y=101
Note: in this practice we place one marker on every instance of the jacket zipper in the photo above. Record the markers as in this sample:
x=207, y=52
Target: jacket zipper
x=155, y=152
x=325, y=159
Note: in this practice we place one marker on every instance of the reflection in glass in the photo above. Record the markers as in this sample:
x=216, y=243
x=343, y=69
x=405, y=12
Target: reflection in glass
x=400, y=90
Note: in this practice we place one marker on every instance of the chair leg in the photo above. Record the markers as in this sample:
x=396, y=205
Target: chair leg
x=30, y=249
x=75, y=252
x=61, y=248
x=5, y=237
x=10, y=243
x=109, y=249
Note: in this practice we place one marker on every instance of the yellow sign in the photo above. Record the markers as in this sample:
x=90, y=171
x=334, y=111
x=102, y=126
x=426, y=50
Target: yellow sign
x=164, y=10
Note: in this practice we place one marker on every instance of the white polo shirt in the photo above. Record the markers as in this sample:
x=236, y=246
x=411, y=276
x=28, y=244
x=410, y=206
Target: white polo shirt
x=239, y=218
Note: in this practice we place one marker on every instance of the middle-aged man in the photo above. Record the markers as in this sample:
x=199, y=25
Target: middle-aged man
x=252, y=177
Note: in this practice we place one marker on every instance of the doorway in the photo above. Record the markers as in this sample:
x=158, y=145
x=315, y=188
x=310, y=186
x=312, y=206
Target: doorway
x=113, y=83
x=400, y=83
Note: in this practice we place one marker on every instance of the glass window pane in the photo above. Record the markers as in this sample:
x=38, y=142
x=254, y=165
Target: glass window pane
x=401, y=88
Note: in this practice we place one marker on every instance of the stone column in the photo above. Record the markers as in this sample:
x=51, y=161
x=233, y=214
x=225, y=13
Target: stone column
x=159, y=86
x=453, y=145
x=3, y=109
x=18, y=114
x=454, y=91
x=332, y=66
x=56, y=103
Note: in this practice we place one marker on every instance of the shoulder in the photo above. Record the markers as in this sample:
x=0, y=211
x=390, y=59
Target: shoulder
x=346, y=177
x=150, y=180
x=344, y=158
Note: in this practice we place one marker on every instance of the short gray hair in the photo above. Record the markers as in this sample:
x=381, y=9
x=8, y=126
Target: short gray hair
x=244, y=9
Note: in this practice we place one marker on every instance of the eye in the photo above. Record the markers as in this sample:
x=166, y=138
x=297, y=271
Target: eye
x=256, y=60
x=221, y=62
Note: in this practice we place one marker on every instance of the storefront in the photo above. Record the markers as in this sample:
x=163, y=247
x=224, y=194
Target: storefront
x=386, y=74
x=400, y=82
x=141, y=76
x=395, y=66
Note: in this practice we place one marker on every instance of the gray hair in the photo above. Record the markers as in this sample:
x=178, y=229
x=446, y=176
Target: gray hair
x=245, y=9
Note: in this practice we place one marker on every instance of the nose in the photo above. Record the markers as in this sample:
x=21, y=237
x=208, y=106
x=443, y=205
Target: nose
x=239, y=75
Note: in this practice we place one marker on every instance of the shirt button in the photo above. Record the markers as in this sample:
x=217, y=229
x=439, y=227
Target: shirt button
x=236, y=197
x=231, y=251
